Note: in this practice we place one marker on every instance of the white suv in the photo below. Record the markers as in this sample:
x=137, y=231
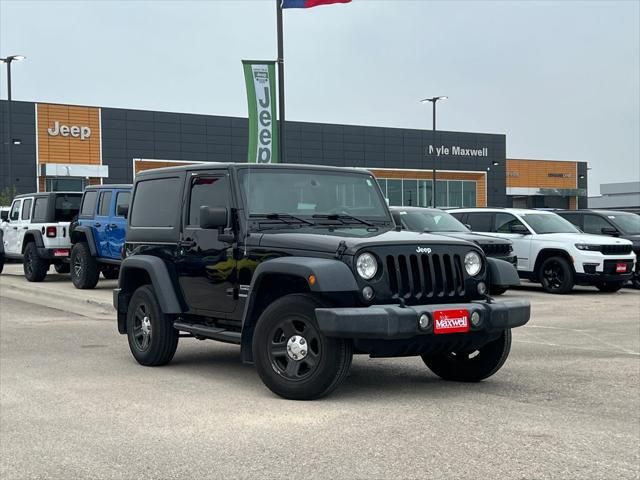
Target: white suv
x=37, y=232
x=552, y=251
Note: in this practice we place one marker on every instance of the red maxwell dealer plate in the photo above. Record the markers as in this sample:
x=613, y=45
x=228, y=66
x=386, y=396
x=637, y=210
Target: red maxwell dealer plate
x=450, y=321
x=621, y=267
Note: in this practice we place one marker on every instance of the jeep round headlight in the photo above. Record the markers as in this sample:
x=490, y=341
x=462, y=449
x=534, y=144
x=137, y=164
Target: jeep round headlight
x=472, y=263
x=367, y=266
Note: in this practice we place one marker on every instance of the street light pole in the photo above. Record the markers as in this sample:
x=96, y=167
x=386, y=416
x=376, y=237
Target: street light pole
x=433, y=101
x=8, y=60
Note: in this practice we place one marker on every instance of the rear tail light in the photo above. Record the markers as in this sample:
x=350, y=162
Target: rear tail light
x=52, y=232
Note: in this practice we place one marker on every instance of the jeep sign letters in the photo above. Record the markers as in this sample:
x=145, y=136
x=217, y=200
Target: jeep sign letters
x=66, y=131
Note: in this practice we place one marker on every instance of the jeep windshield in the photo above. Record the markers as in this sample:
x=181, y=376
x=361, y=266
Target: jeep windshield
x=323, y=198
x=542, y=223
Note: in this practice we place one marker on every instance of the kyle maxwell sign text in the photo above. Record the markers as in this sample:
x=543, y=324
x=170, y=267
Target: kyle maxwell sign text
x=457, y=151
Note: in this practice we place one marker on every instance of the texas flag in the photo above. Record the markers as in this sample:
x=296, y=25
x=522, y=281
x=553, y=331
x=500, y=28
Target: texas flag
x=309, y=3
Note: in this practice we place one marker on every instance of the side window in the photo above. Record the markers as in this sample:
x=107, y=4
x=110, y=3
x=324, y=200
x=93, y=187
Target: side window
x=595, y=224
x=207, y=191
x=89, y=204
x=504, y=222
x=15, y=211
x=40, y=210
x=105, y=204
x=480, y=221
x=122, y=203
x=26, y=209
x=154, y=203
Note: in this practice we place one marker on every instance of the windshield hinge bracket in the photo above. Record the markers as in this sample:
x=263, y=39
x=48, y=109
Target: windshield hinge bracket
x=342, y=247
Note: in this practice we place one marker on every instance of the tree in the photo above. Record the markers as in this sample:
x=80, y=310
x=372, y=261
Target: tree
x=6, y=195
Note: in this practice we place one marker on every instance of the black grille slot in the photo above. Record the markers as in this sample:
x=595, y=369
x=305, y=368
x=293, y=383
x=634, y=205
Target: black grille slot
x=615, y=249
x=413, y=277
x=496, y=248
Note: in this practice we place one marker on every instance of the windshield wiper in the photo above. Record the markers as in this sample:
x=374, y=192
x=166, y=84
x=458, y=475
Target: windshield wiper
x=285, y=217
x=342, y=217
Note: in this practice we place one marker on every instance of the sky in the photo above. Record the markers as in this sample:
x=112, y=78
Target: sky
x=561, y=79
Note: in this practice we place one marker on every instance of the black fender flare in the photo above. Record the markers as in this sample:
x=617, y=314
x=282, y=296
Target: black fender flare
x=161, y=281
x=1, y=242
x=37, y=238
x=330, y=276
x=88, y=233
x=502, y=273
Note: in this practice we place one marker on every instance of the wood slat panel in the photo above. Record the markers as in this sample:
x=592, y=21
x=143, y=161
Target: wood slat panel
x=535, y=174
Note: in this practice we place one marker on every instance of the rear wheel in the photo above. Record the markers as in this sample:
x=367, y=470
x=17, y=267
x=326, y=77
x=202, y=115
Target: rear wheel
x=84, y=268
x=293, y=358
x=609, y=287
x=635, y=281
x=1, y=263
x=152, y=338
x=35, y=268
x=62, y=267
x=471, y=366
x=556, y=275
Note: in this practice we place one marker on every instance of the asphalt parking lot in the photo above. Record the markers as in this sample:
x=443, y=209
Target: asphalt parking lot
x=74, y=404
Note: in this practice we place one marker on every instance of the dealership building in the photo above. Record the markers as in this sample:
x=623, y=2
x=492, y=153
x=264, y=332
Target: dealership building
x=57, y=147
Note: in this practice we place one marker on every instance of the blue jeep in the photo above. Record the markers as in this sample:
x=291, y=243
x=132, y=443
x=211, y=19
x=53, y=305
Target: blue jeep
x=98, y=234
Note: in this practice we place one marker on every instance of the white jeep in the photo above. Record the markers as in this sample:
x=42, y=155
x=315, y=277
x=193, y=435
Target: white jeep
x=36, y=232
x=552, y=251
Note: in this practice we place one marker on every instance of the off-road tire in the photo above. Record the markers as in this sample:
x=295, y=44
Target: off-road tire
x=331, y=356
x=563, y=281
x=1, y=262
x=467, y=367
x=84, y=268
x=635, y=281
x=35, y=268
x=110, y=273
x=62, y=267
x=163, y=338
x=610, y=287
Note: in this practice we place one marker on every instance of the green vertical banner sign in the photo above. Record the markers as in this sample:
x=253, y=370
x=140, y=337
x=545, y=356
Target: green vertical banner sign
x=260, y=79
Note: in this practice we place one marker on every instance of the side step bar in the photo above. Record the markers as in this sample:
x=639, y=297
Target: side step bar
x=220, y=334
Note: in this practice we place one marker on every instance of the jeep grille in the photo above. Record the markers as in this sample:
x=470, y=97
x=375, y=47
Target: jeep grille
x=615, y=249
x=419, y=276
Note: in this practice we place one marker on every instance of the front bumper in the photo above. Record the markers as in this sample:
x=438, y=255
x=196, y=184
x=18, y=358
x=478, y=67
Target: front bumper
x=391, y=322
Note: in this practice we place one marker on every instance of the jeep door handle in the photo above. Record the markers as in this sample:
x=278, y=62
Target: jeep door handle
x=25, y=228
x=15, y=228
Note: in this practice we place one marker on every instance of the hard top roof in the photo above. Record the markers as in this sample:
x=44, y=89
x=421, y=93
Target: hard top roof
x=252, y=166
x=45, y=194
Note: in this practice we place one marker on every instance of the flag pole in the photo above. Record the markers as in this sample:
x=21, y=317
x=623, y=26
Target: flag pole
x=281, y=148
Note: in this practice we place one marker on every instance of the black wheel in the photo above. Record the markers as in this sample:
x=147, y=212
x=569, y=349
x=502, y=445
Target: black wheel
x=110, y=273
x=62, y=267
x=635, y=281
x=293, y=358
x=556, y=275
x=84, y=268
x=609, y=287
x=497, y=290
x=35, y=268
x=471, y=366
x=152, y=338
x=1, y=263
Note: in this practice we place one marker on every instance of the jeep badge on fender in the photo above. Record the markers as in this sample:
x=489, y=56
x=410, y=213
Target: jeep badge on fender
x=302, y=267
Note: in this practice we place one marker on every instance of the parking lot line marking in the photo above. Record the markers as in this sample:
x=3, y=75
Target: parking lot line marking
x=622, y=352
x=584, y=332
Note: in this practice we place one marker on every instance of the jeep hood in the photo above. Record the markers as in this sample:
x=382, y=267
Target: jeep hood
x=583, y=238
x=477, y=238
x=328, y=241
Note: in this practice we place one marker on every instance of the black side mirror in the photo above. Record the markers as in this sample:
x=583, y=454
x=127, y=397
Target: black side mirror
x=122, y=211
x=520, y=229
x=211, y=218
x=609, y=231
x=468, y=226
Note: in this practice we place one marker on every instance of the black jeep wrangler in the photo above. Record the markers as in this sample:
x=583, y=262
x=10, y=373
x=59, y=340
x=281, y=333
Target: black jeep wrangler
x=303, y=266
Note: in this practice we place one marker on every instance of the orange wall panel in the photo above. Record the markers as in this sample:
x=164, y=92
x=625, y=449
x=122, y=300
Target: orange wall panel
x=541, y=174
x=68, y=149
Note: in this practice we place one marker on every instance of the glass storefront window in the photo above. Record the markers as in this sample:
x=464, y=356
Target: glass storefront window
x=417, y=193
x=455, y=193
x=468, y=194
x=424, y=193
x=442, y=194
x=64, y=184
x=409, y=193
x=394, y=192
